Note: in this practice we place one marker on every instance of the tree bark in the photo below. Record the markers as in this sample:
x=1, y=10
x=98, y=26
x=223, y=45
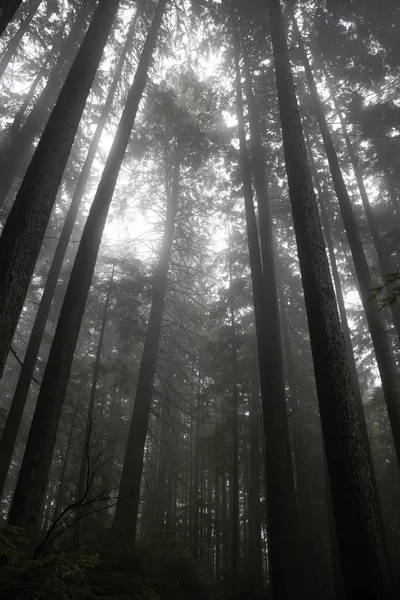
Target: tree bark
x=125, y=518
x=25, y=227
x=363, y=558
x=24, y=381
x=383, y=351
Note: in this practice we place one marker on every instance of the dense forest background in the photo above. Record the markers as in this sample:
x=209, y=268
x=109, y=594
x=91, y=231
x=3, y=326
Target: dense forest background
x=200, y=299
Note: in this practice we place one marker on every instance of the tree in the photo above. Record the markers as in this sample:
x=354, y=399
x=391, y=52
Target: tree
x=25, y=507
x=17, y=37
x=383, y=350
x=353, y=499
x=17, y=147
x=282, y=515
x=24, y=230
x=10, y=432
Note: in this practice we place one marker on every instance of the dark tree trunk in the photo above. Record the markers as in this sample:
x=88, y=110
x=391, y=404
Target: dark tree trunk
x=13, y=44
x=125, y=517
x=384, y=260
x=20, y=244
x=83, y=471
x=17, y=150
x=61, y=486
x=281, y=497
x=24, y=381
x=147, y=520
x=363, y=558
x=383, y=351
x=255, y=561
x=25, y=228
x=15, y=126
x=323, y=202
x=217, y=527
x=162, y=475
x=8, y=8
x=55, y=380
x=195, y=488
x=234, y=487
x=225, y=535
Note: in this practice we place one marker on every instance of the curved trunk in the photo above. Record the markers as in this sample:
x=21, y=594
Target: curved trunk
x=281, y=497
x=125, y=518
x=383, y=351
x=363, y=558
x=24, y=381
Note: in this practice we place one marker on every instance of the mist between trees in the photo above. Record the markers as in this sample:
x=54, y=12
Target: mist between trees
x=200, y=299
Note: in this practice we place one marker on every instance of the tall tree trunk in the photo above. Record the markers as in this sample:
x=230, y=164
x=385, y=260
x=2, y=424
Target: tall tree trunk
x=61, y=486
x=195, y=488
x=15, y=155
x=235, y=534
x=383, y=351
x=16, y=125
x=281, y=497
x=322, y=197
x=55, y=380
x=384, y=260
x=25, y=227
x=255, y=561
x=225, y=535
x=217, y=527
x=13, y=44
x=162, y=475
x=125, y=518
x=83, y=471
x=363, y=558
x=315, y=578
x=24, y=381
x=8, y=8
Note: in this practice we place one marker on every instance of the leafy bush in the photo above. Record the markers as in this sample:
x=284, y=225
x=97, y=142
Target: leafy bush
x=150, y=575
x=61, y=576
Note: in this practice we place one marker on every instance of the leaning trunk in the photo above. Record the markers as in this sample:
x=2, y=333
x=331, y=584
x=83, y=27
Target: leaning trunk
x=7, y=441
x=25, y=228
